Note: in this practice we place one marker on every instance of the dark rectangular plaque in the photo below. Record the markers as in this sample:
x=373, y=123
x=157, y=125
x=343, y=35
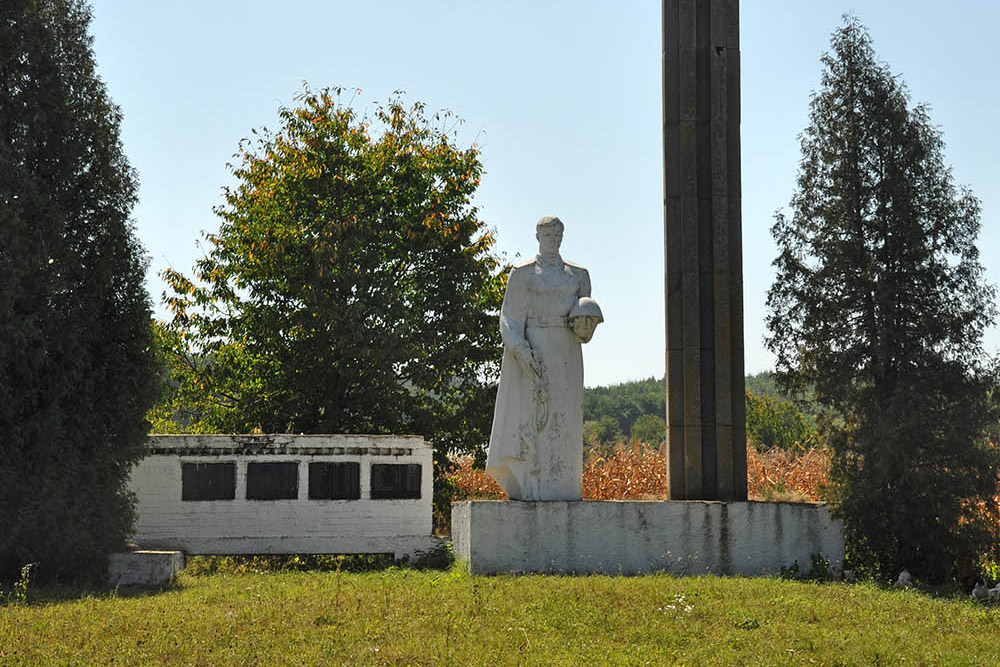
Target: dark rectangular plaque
x=208, y=481
x=334, y=481
x=395, y=480
x=273, y=481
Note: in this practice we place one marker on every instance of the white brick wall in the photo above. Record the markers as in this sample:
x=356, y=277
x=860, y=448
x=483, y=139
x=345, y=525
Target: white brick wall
x=242, y=526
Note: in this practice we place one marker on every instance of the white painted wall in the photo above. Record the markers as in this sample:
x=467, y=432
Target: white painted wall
x=241, y=526
x=623, y=537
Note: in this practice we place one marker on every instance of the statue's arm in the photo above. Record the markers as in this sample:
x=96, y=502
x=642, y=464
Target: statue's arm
x=584, y=283
x=513, y=314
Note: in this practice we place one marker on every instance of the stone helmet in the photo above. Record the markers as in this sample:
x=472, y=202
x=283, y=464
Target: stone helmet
x=586, y=307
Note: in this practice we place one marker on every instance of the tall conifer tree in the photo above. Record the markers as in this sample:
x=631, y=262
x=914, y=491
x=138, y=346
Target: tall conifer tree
x=880, y=304
x=77, y=364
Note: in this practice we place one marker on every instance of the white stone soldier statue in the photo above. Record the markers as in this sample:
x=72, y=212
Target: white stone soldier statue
x=537, y=438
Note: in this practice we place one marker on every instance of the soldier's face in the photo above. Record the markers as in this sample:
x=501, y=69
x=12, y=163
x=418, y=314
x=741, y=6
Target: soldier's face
x=549, y=239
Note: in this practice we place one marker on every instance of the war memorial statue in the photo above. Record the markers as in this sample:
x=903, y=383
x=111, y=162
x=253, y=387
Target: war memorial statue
x=706, y=525
x=537, y=438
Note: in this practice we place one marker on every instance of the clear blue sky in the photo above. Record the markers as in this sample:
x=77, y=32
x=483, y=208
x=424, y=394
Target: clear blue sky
x=562, y=97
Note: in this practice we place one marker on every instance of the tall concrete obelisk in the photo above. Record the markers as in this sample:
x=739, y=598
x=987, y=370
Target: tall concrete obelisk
x=706, y=430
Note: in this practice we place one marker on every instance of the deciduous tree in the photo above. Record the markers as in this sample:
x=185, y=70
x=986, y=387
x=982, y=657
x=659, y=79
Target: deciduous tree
x=77, y=366
x=879, y=303
x=649, y=429
x=772, y=422
x=351, y=286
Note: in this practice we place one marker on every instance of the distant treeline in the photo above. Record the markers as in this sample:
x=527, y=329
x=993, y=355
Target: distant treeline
x=636, y=410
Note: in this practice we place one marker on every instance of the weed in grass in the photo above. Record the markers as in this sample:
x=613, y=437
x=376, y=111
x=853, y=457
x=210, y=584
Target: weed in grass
x=19, y=592
x=23, y=583
x=440, y=557
x=680, y=604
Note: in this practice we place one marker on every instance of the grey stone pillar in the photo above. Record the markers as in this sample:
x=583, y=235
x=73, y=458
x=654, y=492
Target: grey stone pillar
x=706, y=430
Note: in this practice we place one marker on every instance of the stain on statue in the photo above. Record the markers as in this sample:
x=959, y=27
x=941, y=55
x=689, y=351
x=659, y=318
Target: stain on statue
x=536, y=445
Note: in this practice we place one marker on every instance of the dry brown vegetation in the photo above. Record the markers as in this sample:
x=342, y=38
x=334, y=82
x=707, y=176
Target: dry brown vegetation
x=778, y=474
x=473, y=483
x=635, y=472
x=638, y=472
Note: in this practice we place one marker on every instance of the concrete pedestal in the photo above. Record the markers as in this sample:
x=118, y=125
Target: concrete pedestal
x=621, y=537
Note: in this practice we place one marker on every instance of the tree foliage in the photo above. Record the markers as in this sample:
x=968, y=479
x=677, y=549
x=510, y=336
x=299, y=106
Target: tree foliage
x=772, y=422
x=766, y=383
x=650, y=430
x=77, y=369
x=636, y=410
x=626, y=402
x=879, y=304
x=350, y=288
x=602, y=433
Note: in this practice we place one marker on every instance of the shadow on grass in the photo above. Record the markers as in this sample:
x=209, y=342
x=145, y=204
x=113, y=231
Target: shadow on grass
x=55, y=593
x=441, y=557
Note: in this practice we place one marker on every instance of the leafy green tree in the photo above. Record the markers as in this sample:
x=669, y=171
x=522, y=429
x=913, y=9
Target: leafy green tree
x=77, y=368
x=879, y=304
x=650, y=430
x=350, y=288
x=773, y=422
x=766, y=384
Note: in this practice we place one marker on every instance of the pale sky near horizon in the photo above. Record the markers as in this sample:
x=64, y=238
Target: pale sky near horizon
x=564, y=100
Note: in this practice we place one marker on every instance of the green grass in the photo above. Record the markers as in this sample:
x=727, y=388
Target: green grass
x=409, y=617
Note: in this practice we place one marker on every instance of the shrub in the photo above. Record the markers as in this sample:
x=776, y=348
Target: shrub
x=772, y=422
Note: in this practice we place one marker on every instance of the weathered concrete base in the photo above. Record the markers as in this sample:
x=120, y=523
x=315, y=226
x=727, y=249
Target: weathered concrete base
x=621, y=537
x=144, y=568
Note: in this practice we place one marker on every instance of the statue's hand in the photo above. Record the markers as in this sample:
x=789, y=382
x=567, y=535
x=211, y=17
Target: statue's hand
x=526, y=357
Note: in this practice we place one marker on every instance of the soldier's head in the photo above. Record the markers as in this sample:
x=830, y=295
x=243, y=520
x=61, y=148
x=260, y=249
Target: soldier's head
x=549, y=232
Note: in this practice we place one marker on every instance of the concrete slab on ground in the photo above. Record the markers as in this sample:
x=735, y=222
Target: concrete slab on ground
x=144, y=568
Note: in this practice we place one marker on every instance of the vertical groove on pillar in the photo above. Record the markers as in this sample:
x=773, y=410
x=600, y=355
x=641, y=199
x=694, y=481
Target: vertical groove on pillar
x=734, y=216
x=706, y=166
x=703, y=256
x=718, y=147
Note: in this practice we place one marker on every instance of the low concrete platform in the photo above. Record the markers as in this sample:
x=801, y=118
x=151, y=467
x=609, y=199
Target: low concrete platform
x=144, y=568
x=624, y=537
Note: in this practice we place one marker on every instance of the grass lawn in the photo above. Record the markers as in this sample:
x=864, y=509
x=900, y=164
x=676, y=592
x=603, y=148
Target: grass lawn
x=410, y=617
